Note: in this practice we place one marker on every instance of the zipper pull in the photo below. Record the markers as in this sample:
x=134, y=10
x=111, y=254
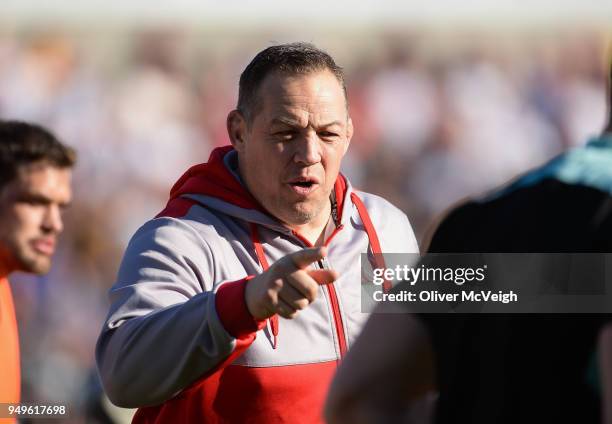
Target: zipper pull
x=273, y=320
x=324, y=263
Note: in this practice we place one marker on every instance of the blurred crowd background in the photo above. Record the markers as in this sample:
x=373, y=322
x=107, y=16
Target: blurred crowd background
x=439, y=115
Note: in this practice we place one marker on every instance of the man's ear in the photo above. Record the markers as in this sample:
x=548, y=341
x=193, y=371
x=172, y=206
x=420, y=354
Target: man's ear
x=236, y=129
x=349, y=133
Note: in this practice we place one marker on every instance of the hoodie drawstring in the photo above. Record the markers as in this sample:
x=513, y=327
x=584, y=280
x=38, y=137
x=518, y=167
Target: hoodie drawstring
x=273, y=320
x=379, y=260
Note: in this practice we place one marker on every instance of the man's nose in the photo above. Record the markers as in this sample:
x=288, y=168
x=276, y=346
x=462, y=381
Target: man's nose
x=52, y=220
x=308, y=150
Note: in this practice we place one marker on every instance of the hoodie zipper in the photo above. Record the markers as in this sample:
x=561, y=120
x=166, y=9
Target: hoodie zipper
x=331, y=289
x=333, y=300
x=333, y=295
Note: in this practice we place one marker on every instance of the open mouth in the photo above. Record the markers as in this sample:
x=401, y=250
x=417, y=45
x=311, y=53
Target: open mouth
x=303, y=186
x=306, y=184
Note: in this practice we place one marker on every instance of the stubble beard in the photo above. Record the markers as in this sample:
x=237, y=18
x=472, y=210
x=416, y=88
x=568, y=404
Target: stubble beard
x=305, y=212
x=32, y=262
x=38, y=267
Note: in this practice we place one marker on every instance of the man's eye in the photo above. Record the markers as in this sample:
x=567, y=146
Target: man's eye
x=33, y=202
x=328, y=134
x=285, y=135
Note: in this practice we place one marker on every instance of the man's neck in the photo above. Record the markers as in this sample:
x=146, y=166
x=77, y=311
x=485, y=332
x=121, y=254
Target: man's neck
x=314, y=231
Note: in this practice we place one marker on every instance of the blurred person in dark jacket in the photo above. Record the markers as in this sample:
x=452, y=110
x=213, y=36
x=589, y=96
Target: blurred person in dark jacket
x=497, y=368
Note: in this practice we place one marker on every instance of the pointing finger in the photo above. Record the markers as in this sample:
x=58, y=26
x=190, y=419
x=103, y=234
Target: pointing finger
x=303, y=258
x=323, y=276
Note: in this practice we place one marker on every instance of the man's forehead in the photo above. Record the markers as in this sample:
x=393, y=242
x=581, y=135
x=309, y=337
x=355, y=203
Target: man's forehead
x=322, y=83
x=42, y=179
x=42, y=171
x=315, y=96
x=319, y=80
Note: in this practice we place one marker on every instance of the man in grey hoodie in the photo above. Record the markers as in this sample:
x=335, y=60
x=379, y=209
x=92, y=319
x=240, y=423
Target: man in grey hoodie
x=267, y=228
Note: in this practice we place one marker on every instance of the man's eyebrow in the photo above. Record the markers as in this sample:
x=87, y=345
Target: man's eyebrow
x=286, y=121
x=331, y=124
x=40, y=198
x=294, y=123
x=33, y=197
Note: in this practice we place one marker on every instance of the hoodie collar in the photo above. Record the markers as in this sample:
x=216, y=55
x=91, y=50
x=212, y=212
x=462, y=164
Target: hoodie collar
x=216, y=184
x=214, y=179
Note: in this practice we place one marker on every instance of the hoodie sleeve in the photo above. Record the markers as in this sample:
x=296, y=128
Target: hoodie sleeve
x=167, y=327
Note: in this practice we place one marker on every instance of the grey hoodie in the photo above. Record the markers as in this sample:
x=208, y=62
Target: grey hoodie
x=179, y=341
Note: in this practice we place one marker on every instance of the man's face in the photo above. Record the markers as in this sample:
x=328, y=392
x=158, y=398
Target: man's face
x=290, y=154
x=30, y=216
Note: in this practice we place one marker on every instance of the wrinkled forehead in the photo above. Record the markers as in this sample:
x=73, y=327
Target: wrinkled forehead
x=317, y=95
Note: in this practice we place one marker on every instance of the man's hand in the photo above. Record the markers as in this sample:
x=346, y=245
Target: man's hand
x=287, y=286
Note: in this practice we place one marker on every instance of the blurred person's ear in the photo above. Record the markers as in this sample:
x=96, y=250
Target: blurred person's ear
x=236, y=129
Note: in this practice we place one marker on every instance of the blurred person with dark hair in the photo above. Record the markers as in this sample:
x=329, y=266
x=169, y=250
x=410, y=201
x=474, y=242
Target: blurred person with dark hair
x=498, y=368
x=237, y=301
x=35, y=173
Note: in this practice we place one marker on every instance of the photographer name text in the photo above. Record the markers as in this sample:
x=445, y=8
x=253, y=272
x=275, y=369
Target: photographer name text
x=435, y=296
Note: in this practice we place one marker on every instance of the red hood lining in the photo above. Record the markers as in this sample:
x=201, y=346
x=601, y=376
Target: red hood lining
x=214, y=179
